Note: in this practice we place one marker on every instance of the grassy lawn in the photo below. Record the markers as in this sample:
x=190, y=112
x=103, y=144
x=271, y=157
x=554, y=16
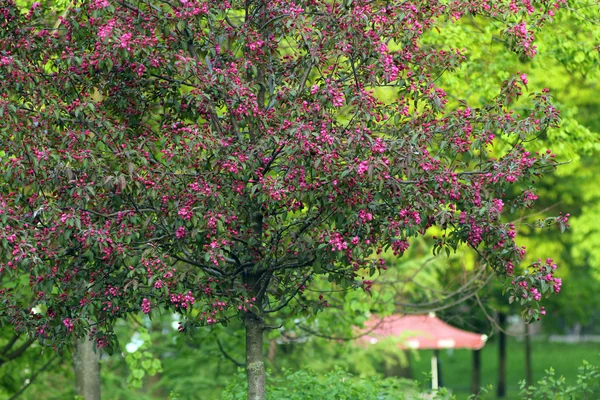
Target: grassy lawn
x=456, y=365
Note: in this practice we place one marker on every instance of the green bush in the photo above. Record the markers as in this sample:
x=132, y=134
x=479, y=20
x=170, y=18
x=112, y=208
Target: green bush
x=342, y=385
x=337, y=384
x=587, y=386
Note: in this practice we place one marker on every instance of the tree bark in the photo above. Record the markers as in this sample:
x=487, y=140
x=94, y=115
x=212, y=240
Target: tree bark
x=528, y=365
x=86, y=363
x=501, y=392
x=476, y=377
x=255, y=364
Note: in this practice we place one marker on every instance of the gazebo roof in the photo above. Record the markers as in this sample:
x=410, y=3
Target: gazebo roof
x=421, y=332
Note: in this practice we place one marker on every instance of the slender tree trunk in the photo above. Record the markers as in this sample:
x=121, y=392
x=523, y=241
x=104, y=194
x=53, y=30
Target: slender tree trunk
x=528, y=365
x=501, y=355
x=399, y=368
x=86, y=362
x=476, y=377
x=272, y=352
x=255, y=364
x=439, y=368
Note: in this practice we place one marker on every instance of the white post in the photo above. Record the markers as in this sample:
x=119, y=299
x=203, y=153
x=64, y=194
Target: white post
x=434, y=372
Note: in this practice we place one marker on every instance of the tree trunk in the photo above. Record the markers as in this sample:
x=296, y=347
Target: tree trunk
x=86, y=363
x=528, y=365
x=476, y=377
x=272, y=352
x=501, y=355
x=399, y=367
x=439, y=367
x=255, y=365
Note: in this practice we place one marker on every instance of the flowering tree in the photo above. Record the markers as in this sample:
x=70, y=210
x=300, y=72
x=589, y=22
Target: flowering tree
x=213, y=157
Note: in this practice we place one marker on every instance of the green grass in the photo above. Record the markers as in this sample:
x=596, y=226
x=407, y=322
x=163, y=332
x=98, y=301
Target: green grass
x=456, y=365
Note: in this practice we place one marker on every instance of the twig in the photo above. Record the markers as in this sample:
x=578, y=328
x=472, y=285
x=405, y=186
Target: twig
x=227, y=356
x=33, y=377
x=493, y=320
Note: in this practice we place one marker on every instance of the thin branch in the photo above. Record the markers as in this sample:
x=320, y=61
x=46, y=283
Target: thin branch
x=492, y=319
x=115, y=214
x=33, y=377
x=10, y=343
x=18, y=352
x=285, y=303
x=520, y=219
x=427, y=306
x=227, y=356
x=344, y=339
x=203, y=267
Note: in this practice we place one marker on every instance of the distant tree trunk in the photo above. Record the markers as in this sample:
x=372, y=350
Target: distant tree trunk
x=439, y=368
x=397, y=368
x=501, y=392
x=528, y=365
x=476, y=377
x=255, y=364
x=272, y=351
x=406, y=371
x=86, y=363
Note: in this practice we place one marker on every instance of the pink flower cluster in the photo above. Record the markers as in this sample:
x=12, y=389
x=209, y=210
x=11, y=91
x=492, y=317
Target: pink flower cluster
x=68, y=323
x=410, y=217
x=185, y=213
x=399, y=246
x=146, y=306
x=337, y=242
x=363, y=167
x=246, y=303
x=524, y=38
x=105, y=30
x=99, y=4
x=365, y=216
x=182, y=300
x=536, y=282
x=180, y=232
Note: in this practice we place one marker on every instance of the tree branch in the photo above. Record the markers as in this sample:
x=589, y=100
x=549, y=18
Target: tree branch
x=10, y=343
x=285, y=303
x=18, y=352
x=33, y=377
x=203, y=267
x=227, y=356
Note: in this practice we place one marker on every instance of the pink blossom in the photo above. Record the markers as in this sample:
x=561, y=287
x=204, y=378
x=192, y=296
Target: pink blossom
x=337, y=242
x=99, y=4
x=399, y=246
x=185, y=213
x=338, y=99
x=365, y=216
x=557, y=285
x=68, y=324
x=146, y=306
x=125, y=40
x=497, y=205
x=363, y=167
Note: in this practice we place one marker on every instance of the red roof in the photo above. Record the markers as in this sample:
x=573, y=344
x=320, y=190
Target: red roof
x=420, y=332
